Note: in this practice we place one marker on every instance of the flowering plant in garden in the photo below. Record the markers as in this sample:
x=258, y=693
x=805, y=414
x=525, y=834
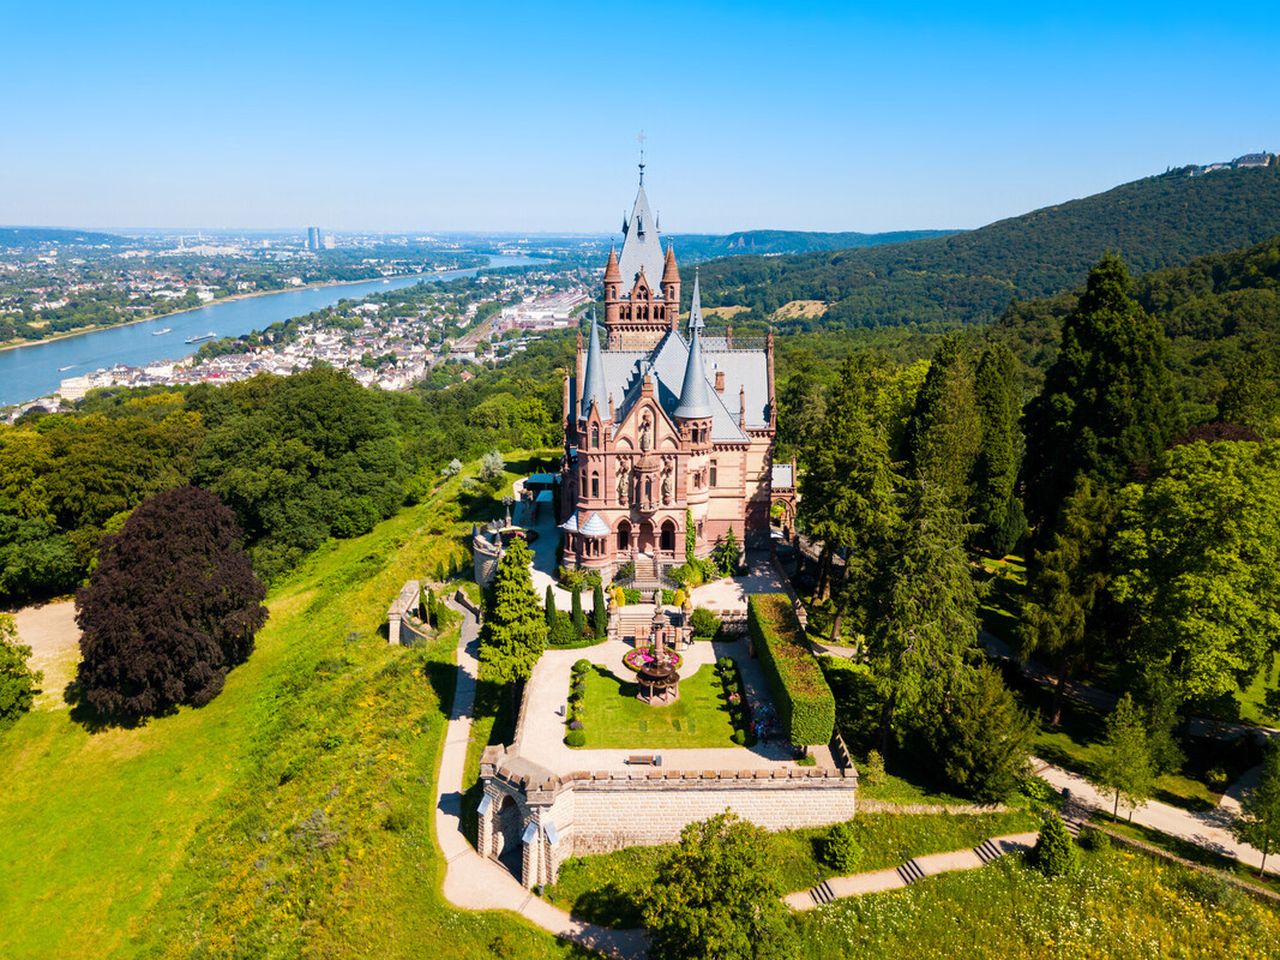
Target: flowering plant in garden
x=644, y=656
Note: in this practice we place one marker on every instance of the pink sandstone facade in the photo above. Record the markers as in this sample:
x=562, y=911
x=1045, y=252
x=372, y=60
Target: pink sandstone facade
x=663, y=423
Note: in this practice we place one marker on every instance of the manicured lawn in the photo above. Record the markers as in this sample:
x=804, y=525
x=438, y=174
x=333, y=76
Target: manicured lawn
x=1122, y=906
x=1253, y=705
x=290, y=817
x=615, y=719
x=610, y=888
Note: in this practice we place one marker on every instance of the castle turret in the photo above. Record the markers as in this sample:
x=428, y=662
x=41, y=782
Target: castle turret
x=671, y=287
x=593, y=388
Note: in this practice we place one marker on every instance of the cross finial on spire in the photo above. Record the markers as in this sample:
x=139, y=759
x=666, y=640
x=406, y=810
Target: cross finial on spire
x=640, y=139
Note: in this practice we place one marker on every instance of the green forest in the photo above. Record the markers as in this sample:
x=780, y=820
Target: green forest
x=973, y=276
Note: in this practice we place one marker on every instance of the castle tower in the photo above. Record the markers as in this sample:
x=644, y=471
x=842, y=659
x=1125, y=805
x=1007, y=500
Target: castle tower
x=642, y=287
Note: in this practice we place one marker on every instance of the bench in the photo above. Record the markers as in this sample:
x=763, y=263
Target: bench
x=644, y=760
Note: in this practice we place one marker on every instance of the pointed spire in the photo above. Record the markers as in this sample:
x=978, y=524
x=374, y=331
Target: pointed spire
x=694, y=399
x=611, y=272
x=695, y=307
x=670, y=272
x=593, y=376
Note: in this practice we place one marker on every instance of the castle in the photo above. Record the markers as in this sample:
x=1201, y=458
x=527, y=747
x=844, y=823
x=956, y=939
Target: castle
x=663, y=426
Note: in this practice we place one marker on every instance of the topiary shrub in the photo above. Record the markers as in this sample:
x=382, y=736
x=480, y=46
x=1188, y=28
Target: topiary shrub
x=580, y=667
x=806, y=705
x=1091, y=838
x=740, y=737
x=706, y=625
x=575, y=724
x=1054, y=852
x=840, y=849
x=575, y=738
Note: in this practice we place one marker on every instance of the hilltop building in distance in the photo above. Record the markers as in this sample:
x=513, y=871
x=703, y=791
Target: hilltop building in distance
x=664, y=427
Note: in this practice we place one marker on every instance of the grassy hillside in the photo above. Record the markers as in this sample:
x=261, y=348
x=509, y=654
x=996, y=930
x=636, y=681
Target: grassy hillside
x=290, y=817
x=966, y=277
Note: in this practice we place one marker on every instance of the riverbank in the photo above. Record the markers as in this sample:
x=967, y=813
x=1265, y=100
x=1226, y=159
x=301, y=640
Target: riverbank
x=319, y=284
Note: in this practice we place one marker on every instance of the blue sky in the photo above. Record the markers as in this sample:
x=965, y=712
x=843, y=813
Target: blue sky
x=497, y=116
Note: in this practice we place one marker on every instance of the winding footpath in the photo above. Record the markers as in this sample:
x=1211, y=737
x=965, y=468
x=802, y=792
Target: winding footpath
x=473, y=882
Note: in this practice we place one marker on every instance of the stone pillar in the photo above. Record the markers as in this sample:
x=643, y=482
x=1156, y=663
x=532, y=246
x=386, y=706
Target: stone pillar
x=393, y=629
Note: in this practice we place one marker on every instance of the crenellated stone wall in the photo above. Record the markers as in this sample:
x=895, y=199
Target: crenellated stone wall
x=583, y=812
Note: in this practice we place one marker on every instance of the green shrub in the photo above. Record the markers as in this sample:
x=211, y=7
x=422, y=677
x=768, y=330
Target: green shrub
x=1211, y=889
x=805, y=703
x=705, y=624
x=575, y=738
x=1038, y=789
x=724, y=663
x=580, y=667
x=397, y=820
x=740, y=737
x=1054, y=852
x=873, y=769
x=631, y=595
x=1091, y=838
x=840, y=849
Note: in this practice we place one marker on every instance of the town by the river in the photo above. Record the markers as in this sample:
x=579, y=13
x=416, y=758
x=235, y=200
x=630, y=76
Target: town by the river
x=37, y=370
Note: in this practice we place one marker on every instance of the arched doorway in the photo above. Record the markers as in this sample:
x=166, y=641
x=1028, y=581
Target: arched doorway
x=646, y=543
x=624, y=537
x=668, y=545
x=508, y=849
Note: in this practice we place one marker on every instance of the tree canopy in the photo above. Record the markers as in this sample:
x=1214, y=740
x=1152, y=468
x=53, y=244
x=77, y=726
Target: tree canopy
x=515, y=627
x=717, y=894
x=172, y=606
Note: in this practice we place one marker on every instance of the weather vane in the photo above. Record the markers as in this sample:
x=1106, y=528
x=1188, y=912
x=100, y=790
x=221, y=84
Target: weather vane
x=640, y=139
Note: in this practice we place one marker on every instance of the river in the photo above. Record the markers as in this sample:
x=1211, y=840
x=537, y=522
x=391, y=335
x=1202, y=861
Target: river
x=36, y=370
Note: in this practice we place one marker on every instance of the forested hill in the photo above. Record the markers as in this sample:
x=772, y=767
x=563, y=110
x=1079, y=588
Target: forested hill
x=18, y=237
x=703, y=246
x=971, y=277
x=1222, y=316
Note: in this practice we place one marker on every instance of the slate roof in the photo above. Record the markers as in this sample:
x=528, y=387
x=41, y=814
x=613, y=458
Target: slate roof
x=593, y=526
x=641, y=248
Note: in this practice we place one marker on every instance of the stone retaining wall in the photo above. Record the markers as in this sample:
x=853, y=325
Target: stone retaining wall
x=584, y=812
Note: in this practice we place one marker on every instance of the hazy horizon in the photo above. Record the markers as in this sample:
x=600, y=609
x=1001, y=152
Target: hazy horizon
x=399, y=118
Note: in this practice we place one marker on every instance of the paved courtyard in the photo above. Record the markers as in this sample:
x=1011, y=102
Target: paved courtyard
x=541, y=739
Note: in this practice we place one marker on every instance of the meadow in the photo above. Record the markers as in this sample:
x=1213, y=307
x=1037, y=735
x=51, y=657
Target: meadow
x=291, y=816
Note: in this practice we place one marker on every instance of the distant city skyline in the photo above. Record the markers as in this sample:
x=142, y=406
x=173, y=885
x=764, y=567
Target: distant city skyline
x=523, y=118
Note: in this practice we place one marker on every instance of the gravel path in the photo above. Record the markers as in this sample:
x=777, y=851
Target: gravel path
x=473, y=882
x=50, y=631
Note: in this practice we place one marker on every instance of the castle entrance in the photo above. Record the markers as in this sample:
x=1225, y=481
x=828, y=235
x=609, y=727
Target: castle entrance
x=646, y=541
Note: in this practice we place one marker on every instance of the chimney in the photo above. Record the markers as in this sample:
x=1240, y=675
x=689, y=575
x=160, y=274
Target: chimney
x=719, y=381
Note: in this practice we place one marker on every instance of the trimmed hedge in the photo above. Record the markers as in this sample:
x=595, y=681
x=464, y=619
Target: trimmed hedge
x=806, y=706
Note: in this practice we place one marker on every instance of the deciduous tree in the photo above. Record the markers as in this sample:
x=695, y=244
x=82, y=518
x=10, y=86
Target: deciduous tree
x=1198, y=565
x=1259, y=821
x=717, y=894
x=172, y=606
x=1124, y=770
x=18, y=682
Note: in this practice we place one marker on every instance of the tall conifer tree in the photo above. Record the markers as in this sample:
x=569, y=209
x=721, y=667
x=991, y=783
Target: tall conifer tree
x=1108, y=403
x=997, y=512
x=515, y=630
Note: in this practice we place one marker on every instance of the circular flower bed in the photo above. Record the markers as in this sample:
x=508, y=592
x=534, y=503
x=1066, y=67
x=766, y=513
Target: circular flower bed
x=635, y=659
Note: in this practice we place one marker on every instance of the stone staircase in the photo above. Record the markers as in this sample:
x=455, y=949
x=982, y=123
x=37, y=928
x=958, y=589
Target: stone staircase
x=634, y=620
x=910, y=872
x=648, y=577
x=822, y=894
x=988, y=851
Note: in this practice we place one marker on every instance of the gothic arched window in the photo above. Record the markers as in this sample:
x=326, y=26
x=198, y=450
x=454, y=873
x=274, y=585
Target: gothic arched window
x=595, y=485
x=595, y=437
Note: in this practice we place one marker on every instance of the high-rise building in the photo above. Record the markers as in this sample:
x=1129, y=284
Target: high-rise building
x=313, y=238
